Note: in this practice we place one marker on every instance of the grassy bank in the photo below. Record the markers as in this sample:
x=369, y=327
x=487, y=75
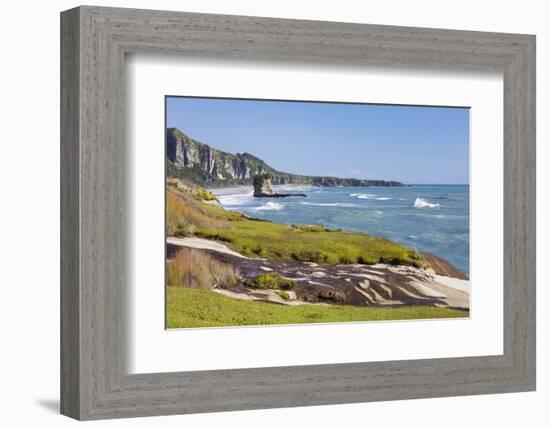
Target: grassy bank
x=195, y=308
x=191, y=213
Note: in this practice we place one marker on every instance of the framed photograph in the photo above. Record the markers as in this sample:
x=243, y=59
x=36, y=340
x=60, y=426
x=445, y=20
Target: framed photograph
x=273, y=247
x=262, y=213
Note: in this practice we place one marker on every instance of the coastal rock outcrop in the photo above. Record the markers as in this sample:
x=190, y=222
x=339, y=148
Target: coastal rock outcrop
x=263, y=188
x=209, y=167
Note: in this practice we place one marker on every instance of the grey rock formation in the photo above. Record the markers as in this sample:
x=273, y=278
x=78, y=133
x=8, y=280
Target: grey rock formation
x=207, y=166
x=263, y=188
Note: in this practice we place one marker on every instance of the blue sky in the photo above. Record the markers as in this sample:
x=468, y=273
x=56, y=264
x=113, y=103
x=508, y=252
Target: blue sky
x=414, y=145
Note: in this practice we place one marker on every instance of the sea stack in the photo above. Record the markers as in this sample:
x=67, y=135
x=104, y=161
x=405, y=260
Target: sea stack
x=262, y=188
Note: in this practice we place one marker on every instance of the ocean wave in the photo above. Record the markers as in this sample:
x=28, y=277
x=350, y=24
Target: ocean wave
x=369, y=196
x=235, y=199
x=423, y=203
x=283, y=187
x=362, y=194
x=341, y=205
x=269, y=206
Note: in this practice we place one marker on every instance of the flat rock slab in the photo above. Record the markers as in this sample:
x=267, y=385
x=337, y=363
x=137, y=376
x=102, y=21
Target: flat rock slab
x=379, y=285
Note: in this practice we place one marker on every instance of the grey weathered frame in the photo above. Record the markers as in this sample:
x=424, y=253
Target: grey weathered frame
x=94, y=41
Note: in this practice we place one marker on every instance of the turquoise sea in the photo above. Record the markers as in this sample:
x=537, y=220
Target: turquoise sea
x=432, y=218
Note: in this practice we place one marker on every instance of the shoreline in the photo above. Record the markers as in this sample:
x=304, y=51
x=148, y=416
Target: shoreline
x=244, y=189
x=440, y=265
x=238, y=188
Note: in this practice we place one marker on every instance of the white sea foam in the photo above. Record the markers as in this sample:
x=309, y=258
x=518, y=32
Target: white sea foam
x=423, y=203
x=341, y=205
x=282, y=187
x=236, y=199
x=270, y=206
x=369, y=196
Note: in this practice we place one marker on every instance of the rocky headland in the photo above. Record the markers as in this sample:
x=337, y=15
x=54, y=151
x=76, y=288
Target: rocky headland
x=209, y=167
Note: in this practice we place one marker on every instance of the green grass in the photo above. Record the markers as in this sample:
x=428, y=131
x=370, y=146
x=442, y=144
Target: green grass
x=277, y=241
x=196, y=308
x=314, y=228
x=256, y=238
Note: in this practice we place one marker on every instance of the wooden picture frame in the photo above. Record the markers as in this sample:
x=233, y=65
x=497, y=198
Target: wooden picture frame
x=94, y=382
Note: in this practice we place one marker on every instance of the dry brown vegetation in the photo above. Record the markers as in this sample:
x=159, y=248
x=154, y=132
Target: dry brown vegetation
x=196, y=269
x=184, y=215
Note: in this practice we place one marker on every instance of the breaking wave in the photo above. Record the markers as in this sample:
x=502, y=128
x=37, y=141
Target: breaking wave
x=423, y=203
x=270, y=206
x=369, y=196
x=235, y=199
x=341, y=205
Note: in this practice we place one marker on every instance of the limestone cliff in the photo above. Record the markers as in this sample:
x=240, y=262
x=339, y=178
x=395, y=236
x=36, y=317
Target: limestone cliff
x=207, y=166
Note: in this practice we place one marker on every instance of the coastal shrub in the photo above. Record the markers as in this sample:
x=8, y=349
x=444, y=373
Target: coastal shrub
x=346, y=259
x=197, y=269
x=310, y=256
x=390, y=260
x=417, y=258
x=367, y=259
x=283, y=294
x=314, y=228
x=257, y=250
x=211, y=234
x=204, y=195
x=414, y=254
x=271, y=280
x=185, y=230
